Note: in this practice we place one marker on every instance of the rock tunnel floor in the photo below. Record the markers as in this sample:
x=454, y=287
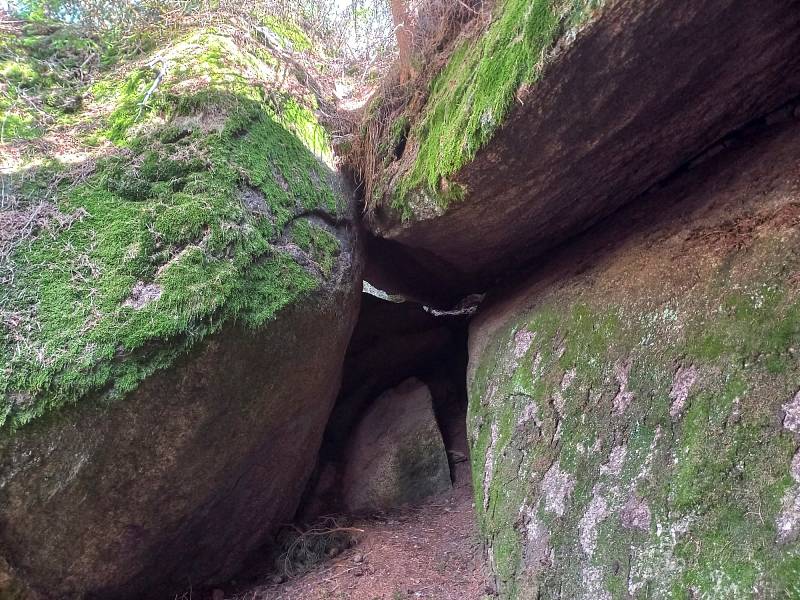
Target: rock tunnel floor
x=426, y=551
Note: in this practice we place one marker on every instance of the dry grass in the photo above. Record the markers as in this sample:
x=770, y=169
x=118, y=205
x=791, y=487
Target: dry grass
x=438, y=27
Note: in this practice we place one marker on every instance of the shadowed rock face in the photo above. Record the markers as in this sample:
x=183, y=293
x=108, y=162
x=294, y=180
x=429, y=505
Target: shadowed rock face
x=391, y=343
x=396, y=455
x=177, y=483
x=632, y=401
x=642, y=90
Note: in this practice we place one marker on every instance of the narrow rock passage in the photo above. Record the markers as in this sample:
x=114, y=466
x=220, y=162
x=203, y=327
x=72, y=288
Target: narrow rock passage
x=428, y=551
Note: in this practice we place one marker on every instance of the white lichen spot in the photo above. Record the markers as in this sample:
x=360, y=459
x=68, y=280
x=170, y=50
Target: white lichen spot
x=488, y=470
x=557, y=487
x=736, y=411
x=654, y=565
x=597, y=446
x=568, y=378
x=143, y=294
x=593, y=588
x=522, y=342
x=624, y=397
x=536, y=366
x=788, y=521
x=596, y=513
x=559, y=403
x=537, y=550
x=557, y=432
x=791, y=410
x=529, y=413
x=491, y=392
x=724, y=586
x=682, y=383
x=616, y=460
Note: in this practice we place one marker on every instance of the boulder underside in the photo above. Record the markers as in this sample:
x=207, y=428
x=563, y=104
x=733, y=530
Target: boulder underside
x=645, y=88
x=184, y=478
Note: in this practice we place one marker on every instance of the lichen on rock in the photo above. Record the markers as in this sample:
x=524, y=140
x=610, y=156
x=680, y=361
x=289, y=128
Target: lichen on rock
x=664, y=460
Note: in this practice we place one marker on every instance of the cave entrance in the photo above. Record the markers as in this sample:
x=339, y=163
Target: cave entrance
x=405, y=362
x=388, y=512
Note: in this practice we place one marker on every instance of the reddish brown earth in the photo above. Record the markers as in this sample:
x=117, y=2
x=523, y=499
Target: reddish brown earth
x=430, y=551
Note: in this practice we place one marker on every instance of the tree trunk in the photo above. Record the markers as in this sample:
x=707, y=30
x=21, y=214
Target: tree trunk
x=402, y=28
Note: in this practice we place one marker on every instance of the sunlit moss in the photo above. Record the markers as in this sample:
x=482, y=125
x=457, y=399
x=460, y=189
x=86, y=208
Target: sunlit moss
x=169, y=213
x=472, y=96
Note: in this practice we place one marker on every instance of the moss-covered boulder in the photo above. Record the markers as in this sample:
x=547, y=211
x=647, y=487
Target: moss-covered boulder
x=634, y=406
x=561, y=112
x=174, y=314
x=396, y=455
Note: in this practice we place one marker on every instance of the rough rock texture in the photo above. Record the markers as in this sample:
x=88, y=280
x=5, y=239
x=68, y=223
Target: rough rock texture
x=171, y=356
x=183, y=478
x=392, y=342
x=643, y=89
x=632, y=413
x=396, y=455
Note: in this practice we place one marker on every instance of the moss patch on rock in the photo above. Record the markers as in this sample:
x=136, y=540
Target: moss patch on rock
x=472, y=96
x=40, y=78
x=632, y=445
x=195, y=220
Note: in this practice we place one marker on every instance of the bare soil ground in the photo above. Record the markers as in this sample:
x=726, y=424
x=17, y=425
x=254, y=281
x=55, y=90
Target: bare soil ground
x=429, y=551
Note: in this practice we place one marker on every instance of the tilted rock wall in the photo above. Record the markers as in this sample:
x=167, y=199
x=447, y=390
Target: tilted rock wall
x=633, y=405
x=560, y=114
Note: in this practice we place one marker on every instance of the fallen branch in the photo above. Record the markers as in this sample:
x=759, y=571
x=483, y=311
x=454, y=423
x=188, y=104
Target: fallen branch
x=161, y=74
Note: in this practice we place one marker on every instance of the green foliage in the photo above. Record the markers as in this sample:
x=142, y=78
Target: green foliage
x=166, y=244
x=472, y=96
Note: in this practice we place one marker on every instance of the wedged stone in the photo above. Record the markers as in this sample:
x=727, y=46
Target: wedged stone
x=644, y=88
x=396, y=455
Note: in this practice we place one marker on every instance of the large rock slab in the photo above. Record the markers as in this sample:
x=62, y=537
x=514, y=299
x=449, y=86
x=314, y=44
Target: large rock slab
x=644, y=88
x=396, y=455
x=173, y=338
x=633, y=403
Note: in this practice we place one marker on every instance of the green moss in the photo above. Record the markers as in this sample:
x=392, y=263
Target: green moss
x=713, y=479
x=319, y=244
x=289, y=32
x=40, y=77
x=473, y=95
x=169, y=214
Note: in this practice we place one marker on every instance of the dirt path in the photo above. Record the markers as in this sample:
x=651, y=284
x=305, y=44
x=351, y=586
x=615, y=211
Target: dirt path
x=430, y=551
